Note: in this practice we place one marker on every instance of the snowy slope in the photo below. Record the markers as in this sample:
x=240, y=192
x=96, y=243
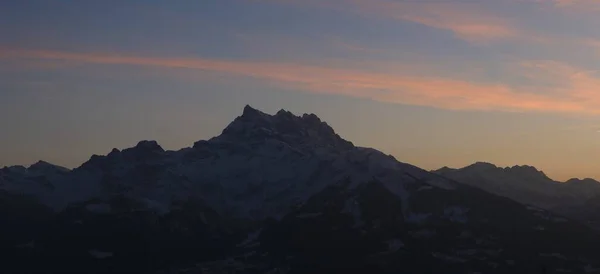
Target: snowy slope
x=260, y=166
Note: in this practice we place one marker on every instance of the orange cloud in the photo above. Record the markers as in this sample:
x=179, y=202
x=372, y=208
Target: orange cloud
x=578, y=95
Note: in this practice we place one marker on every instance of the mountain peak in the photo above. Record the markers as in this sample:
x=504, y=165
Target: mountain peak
x=526, y=170
x=444, y=169
x=148, y=146
x=582, y=181
x=251, y=112
x=40, y=164
x=523, y=167
x=255, y=125
x=45, y=166
x=482, y=165
x=113, y=152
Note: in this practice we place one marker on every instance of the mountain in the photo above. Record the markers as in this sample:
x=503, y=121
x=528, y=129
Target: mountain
x=575, y=198
x=272, y=194
x=525, y=184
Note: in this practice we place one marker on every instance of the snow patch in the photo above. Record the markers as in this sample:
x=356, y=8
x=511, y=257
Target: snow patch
x=456, y=214
x=465, y=234
x=394, y=245
x=417, y=218
x=548, y=217
x=532, y=208
x=250, y=239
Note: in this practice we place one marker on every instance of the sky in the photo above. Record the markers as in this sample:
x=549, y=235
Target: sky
x=433, y=82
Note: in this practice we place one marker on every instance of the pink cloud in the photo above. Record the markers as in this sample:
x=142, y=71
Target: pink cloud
x=578, y=94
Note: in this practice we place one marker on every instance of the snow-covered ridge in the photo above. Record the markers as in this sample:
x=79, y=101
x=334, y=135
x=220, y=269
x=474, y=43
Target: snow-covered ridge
x=261, y=165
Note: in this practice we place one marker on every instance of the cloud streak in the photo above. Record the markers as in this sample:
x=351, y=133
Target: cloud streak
x=466, y=21
x=470, y=21
x=576, y=95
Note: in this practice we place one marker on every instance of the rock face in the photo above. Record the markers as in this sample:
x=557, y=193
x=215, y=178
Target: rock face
x=272, y=194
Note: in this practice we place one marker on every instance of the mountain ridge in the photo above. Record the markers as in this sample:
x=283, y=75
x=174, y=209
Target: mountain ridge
x=273, y=193
x=576, y=198
x=489, y=165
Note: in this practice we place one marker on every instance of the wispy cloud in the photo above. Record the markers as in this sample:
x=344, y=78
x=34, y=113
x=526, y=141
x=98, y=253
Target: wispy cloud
x=577, y=95
x=465, y=20
x=472, y=21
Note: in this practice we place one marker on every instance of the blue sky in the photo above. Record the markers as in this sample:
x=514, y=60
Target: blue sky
x=435, y=83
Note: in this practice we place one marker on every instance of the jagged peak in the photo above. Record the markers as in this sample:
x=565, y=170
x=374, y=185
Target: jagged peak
x=149, y=145
x=284, y=113
x=254, y=124
x=526, y=170
x=141, y=149
x=250, y=112
x=311, y=117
